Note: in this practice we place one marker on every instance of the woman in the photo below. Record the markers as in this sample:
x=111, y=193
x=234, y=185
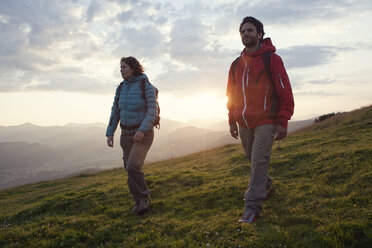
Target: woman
x=135, y=107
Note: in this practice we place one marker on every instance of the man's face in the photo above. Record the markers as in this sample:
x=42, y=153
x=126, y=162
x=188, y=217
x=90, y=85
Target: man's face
x=250, y=37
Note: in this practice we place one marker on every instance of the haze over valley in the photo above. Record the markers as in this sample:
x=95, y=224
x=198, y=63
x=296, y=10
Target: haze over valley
x=31, y=153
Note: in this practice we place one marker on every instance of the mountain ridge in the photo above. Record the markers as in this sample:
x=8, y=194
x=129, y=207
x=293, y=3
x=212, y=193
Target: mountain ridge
x=81, y=147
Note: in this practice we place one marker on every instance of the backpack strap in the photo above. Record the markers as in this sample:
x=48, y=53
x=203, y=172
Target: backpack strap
x=266, y=57
x=119, y=91
x=233, y=67
x=143, y=88
x=267, y=66
x=274, y=97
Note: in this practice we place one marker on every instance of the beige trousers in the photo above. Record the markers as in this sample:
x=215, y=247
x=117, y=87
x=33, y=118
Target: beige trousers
x=257, y=144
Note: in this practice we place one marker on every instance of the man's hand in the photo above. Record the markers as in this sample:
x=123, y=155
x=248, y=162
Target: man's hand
x=138, y=136
x=110, y=141
x=280, y=132
x=234, y=130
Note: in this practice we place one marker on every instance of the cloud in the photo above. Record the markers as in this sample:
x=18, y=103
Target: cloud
x=191, y=40
x=322, y=82
x=289, y=11
x=307, y=56
x=42, y=39
x=146, y=42
x=182, y=82
x=141, y=13
x=316, y=93
x=61, y=81
x=188, y=40
x=363, y=45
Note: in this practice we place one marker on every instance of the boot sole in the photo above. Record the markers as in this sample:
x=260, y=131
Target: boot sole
x=142, y=212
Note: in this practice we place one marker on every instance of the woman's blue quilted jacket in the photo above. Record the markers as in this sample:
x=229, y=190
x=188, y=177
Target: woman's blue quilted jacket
x=133, y=109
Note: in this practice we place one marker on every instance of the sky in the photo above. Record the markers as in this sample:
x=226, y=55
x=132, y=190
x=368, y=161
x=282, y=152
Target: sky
x=59, y=60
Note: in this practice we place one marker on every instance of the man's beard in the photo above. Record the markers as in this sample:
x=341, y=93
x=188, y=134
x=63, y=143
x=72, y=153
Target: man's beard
x=250, y=43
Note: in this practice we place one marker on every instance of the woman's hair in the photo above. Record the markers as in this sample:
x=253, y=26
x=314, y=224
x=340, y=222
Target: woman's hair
x=133, y=64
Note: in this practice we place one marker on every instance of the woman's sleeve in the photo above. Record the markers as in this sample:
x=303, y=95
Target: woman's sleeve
x=115, y=115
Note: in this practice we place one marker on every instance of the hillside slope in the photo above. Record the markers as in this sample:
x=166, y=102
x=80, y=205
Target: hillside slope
x=322, y=176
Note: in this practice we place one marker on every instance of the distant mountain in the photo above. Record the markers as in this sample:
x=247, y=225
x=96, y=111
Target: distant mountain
x=188, y=140
x=166, y=127
x=23, y=162
x=97, y=124
x=185, y=132
x=14, y=154
x=30, y=153
x=203, y=123
x=296, y=125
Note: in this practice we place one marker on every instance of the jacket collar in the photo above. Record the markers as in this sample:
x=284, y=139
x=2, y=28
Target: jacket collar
x=135, y=79
x=266, y=46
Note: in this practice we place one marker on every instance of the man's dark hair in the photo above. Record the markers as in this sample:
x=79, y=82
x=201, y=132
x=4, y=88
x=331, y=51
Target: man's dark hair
x=255, y=22
x=133, y=64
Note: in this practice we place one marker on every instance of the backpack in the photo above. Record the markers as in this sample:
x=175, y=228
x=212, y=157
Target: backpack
x=267, y=68
x=143, y=88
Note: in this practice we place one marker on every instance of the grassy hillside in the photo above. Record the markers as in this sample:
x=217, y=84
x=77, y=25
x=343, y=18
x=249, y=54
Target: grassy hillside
x=323, y=181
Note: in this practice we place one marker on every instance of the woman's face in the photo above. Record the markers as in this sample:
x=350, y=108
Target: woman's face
x=126, y=71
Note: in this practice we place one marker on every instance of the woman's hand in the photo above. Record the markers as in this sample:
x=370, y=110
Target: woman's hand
x=110, y=141
x=138, y=136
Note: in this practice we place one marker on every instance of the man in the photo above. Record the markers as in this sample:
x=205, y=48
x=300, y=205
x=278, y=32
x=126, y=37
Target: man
x=260, y=100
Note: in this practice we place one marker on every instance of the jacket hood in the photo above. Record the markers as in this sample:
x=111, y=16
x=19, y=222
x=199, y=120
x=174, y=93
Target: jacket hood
x=135, y=79
x=266, y=46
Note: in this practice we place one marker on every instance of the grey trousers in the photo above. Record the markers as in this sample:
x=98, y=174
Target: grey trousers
x=134, y=154
x=257, y=144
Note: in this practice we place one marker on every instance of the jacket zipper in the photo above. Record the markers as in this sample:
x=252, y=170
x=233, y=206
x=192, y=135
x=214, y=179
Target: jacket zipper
x=247, y=80
x=245, y=100
x=280, y=78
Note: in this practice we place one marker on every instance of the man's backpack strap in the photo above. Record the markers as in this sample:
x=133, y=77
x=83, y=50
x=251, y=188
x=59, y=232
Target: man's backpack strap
x=117, y=101
x=233, y=68
x=267, y=65
x=274, y=97
x=266, y=57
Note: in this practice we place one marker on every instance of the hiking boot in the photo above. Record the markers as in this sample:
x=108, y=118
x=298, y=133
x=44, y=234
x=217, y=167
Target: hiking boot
x=144, y=205
x=249, y=217
x=269, y=193
x=134, y=209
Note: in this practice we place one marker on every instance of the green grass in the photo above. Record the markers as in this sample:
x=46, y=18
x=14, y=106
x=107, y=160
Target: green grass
x=322, y=176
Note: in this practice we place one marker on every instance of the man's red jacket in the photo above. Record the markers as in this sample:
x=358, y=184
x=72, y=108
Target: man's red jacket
x=251, y=98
